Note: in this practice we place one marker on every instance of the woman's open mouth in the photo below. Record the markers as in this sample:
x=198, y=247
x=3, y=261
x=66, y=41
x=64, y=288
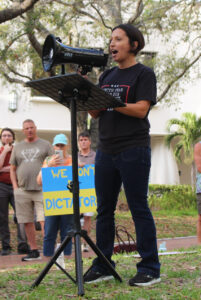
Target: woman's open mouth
x=114, y=52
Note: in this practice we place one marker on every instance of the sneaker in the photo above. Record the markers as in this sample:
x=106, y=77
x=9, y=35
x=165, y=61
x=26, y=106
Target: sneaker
x=85, y=248
x=23, y=251
x=23, y=248
x=6, y=251
x=141, y=279
x=95, y=276
x=33, y=255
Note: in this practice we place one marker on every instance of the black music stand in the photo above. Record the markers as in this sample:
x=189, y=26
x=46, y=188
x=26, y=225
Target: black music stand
x=78, y=94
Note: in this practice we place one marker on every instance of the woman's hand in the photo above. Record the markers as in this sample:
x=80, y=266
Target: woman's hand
x=55, y=160
x=94, y=113
x=138, y=110
x=8, y=148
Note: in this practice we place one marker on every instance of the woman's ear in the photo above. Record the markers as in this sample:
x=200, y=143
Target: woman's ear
x=134, y=45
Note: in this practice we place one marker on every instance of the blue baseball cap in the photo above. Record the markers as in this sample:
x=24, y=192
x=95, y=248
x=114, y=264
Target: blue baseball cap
x=60, y=139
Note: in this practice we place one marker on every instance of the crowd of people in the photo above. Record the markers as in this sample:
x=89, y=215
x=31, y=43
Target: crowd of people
x=123, y=156
x=21, y=189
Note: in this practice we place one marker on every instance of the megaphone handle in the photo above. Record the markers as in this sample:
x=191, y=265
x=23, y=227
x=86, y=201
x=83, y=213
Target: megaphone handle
x=83, y=70
x=63, y=69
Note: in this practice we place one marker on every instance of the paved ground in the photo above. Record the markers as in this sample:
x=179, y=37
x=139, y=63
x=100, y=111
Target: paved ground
x=12, y=260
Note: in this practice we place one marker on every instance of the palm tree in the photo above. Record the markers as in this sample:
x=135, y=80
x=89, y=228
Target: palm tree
x=187, y=133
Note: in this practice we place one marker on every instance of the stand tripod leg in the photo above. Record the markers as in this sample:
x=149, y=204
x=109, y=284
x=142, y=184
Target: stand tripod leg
x=78, y=233
x=64, y=271
x=100, y=255
x=51, y=262
x=78, y=263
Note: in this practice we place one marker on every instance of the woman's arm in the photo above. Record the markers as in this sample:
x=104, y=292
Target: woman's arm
x=6, y=149
x=39, y=177
x=50, y=161
x=5, y=169
x=138, y=110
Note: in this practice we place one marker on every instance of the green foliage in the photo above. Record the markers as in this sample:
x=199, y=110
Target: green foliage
x=187, y=130
x=172, y=197
x=177, y=199
x=88, y=24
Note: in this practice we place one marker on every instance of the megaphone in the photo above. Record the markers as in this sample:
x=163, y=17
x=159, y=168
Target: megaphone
x=56, y=53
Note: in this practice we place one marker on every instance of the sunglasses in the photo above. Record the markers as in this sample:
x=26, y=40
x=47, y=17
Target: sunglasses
x=60, y=145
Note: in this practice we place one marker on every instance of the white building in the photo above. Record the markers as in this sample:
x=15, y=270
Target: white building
x=165, y=169
x=52, y=118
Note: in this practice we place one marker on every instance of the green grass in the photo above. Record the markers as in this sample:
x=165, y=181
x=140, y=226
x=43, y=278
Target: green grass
x=176, y=213
x=169, y=224
x=180, y=274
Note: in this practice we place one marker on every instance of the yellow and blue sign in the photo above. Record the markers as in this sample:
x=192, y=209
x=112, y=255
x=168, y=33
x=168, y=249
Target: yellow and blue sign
x=57, y=198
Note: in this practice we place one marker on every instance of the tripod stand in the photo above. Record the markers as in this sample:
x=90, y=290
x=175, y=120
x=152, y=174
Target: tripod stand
x=76, y=93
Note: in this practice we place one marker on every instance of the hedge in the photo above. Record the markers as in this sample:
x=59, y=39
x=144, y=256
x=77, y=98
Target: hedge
x=172, y=197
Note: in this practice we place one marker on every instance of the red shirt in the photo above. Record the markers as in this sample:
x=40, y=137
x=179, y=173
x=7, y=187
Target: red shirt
x=5, y=176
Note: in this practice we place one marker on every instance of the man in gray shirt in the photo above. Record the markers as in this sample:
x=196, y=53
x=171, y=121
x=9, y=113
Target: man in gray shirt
x=86, y=156
x=26, y=161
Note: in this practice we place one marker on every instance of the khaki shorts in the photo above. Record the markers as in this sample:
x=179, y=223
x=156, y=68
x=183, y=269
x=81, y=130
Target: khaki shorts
x=28, y=204
x=199, y=203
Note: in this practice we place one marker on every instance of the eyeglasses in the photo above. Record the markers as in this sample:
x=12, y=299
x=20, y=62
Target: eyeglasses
x=60, y=145
x=7, y=135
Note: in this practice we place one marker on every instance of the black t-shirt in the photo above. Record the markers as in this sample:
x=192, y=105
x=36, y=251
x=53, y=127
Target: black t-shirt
x=118, y=132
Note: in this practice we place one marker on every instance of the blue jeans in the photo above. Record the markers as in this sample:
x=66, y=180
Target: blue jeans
x=64, y=223
x=132, y=168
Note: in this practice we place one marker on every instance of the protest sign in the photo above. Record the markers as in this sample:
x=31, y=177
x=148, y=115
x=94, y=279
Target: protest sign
x=57, y=198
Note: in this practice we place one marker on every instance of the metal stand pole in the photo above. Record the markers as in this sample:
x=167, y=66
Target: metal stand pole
x=75, y=188
x=77, y=233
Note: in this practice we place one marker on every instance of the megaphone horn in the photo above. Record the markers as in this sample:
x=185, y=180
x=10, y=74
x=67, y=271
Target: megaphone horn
x=56, y=53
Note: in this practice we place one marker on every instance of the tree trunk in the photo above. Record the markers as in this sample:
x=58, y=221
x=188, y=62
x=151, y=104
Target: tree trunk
x=94, y=133
x=82, y=120
x=82, y=117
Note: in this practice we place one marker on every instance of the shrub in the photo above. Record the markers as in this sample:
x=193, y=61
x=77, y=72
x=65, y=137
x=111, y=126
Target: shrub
x=166, y=197
x=170, y=197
